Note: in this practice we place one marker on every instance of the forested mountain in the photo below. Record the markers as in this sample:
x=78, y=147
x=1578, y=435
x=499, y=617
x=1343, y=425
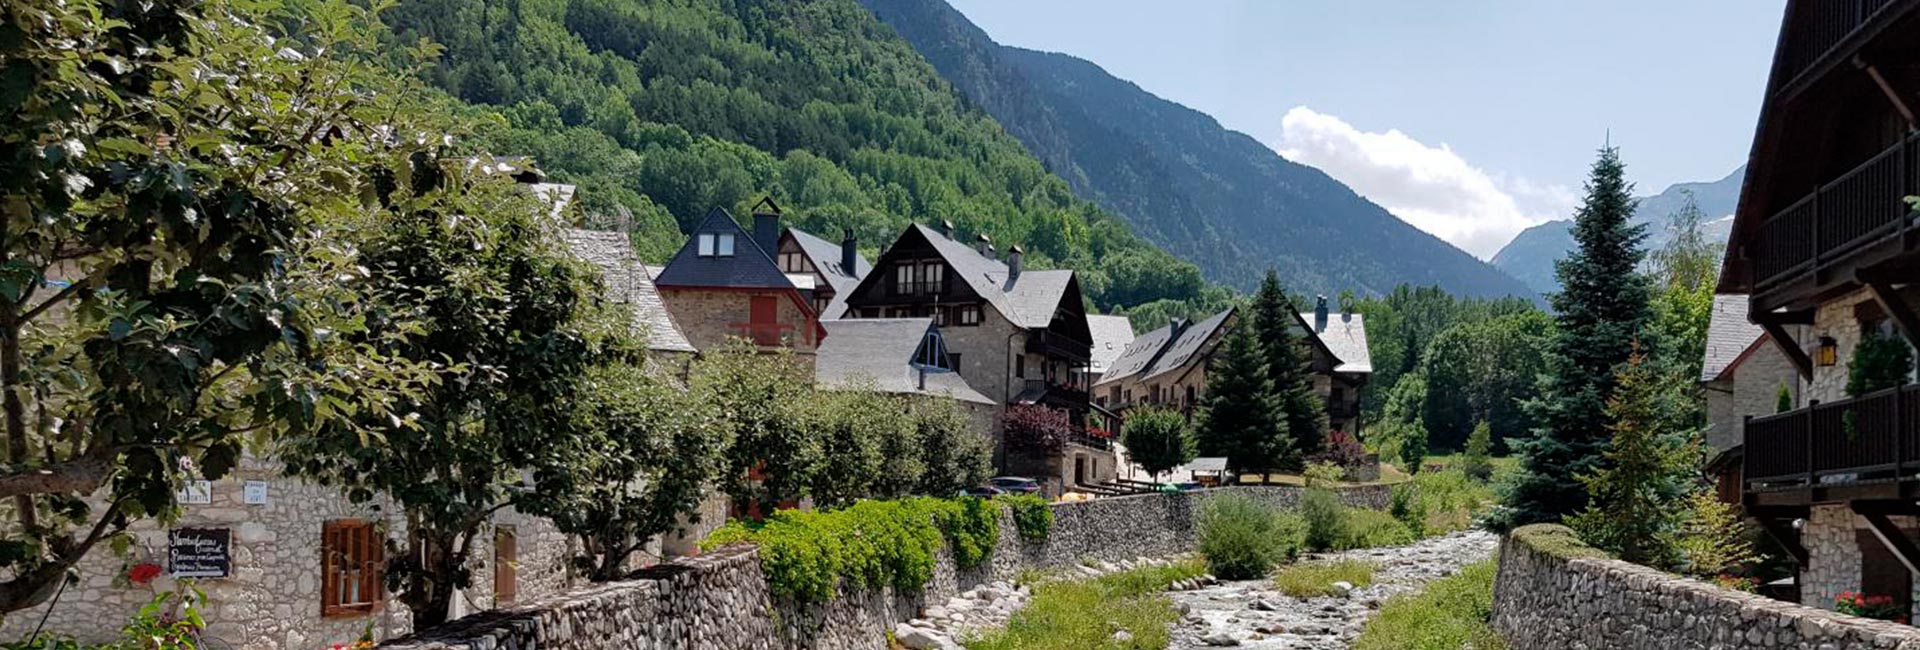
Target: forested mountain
x=1208, y=194
x=1530, y=255
x=666, y=109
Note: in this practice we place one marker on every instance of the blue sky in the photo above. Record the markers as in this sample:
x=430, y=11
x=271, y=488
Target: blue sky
x=1470, y=119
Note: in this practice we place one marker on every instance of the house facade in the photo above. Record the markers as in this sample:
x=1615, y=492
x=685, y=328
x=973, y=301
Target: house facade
x=1743, y=375
x=724, y=284
x=831, y=269
x=1017, y=336
x=1824, y=247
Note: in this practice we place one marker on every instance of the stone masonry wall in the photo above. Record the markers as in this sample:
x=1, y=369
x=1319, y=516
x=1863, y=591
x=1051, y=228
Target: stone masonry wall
x=1551, y=594
x=720, y=601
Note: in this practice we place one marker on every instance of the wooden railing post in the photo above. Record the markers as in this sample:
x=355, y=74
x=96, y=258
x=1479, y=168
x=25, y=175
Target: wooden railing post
x=1806, y=434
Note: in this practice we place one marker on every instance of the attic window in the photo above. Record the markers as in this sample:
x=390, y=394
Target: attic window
x=716, y=244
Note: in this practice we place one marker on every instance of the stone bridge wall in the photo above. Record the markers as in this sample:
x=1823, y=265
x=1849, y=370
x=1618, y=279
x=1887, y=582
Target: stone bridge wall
x=720, y=601
x=1554, y=592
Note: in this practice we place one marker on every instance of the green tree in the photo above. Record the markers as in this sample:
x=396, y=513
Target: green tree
x=852, y=426
x=646, y=450
x=464, y=272
x=1158, y=440
x=1782, y=398
x=1638, y=493
x=1477, y=462
x=1599, y=315
x=1879, y=362
x=171, y=261
x=1713, y=537
x=955, y=453
x=1289, y=367
x=762, y=396
x=1482, y=371
x=1242, y=420
x=1401, y=432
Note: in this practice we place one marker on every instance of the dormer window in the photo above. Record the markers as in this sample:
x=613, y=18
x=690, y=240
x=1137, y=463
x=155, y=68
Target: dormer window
x=716, y=244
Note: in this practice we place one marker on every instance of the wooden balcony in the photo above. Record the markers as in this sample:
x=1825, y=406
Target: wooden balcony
x=1858, y=219
x=1826, y=31
x=1056, y=345
x=1836, y=450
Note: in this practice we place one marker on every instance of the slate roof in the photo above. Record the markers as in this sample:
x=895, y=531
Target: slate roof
x=826, y=258
x=1345, y=335
x=1028, y=302
x=1111, y=334
x=627, y=281
x=1163, y=350
x=558, y=196
x=1728, y=334
x=879, y=351
x=750, y=267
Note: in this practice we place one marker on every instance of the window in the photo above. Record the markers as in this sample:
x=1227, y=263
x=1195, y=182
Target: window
x=726, y=244
x=970, y=315
x=940, y=317
x=506, y=565
x=706, y=244
x=352, y=556
x=932, y=277
x=1020, y=367
x=793, y=262
x=903, y=279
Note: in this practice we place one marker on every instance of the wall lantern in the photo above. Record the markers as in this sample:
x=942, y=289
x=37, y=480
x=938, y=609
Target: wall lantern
x=1828, y=353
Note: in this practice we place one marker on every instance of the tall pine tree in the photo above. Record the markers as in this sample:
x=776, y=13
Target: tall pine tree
x=1243, y=421
x=1601, y=311
x=1287, y=367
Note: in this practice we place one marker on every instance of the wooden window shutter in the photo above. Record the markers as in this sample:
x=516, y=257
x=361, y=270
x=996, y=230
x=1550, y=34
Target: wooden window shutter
x=330, y=538
x=506, y=565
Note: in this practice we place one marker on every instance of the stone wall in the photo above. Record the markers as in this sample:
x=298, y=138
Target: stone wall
x=721, y=601
x=1553, y=592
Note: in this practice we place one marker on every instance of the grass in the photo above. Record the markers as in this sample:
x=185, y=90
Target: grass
x=1450, y=500
x=1317, y=578
x=1389, y=475
x=1085, y=614
x=1449, y=614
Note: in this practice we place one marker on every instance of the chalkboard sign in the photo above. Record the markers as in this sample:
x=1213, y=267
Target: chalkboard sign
x=200, y=552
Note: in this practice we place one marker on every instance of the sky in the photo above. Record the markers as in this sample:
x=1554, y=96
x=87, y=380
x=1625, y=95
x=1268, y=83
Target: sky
x=1470, y=119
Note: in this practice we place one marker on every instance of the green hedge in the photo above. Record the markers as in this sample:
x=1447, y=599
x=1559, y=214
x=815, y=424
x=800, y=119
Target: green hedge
x=806, y=555
x=1032, y=515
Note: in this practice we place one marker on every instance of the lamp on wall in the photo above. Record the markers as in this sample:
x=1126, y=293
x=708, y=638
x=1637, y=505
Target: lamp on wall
x=1828, y=353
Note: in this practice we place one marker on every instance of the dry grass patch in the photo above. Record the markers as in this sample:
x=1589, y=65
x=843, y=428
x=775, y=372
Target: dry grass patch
x=1317, y=578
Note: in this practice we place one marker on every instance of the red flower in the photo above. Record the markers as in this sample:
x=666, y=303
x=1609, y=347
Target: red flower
x=143, y=573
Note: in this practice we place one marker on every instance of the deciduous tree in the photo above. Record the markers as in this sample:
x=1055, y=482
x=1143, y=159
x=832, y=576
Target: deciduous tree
x=1158, y=440
x=762, y=397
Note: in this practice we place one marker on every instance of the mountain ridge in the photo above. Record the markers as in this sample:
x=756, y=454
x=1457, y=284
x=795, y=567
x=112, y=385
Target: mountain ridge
x=1214, y=196
x=1530, y=255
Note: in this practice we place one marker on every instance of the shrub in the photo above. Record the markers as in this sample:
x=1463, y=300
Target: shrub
x=1477, y=462
x=1363, y=528
x=1086, y=614
x=1879, y=362
x=1032, y=515
x=1862, y=605
x=1449, y=500
x=1449, y=614
x=1342, y=450
x=1405, y=506
x=1316, y=579
x=1037, y=428
x=1243, y=538
x=971, y=526
x=1323, y=474
x=1713, y=539
x=1323, y=513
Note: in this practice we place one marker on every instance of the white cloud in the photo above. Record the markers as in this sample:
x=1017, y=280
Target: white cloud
x=1432, y=188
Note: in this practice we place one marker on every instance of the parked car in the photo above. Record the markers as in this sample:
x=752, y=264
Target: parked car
x=1014, y=484
x=984, y=492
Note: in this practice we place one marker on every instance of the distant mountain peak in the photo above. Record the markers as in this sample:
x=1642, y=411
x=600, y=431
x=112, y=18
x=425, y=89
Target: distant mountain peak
x=1531, y=254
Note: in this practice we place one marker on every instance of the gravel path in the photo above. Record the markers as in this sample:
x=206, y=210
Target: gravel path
x=1251, y=614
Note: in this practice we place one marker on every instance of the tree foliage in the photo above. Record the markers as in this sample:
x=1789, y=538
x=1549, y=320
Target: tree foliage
x=1638, y=494
x=1289, y=368
x=1599, y=314
x=1481, y=372
x=1036, y=429
x=1158, y=440
x=1242, y=420
x=170, y=274
x=1879, y=362
x=763, y=399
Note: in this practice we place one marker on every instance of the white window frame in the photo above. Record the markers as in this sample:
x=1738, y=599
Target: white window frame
x=725, y=247
x=706, y=240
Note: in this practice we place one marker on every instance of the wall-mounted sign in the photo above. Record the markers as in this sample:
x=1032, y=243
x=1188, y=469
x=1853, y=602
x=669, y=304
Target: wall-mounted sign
x=256, y=493
x=195, y=492
x=200, y=552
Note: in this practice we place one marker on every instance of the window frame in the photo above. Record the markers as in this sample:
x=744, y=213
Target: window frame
x=705, y=244
x=351, y=542
x=726, y=245
x=969, y=315
x=933, y=277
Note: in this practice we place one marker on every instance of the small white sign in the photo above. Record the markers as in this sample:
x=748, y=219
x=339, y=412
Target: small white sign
x=256, y=493
x=195, y=492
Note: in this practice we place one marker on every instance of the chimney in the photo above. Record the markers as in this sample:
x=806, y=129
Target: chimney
x=946, y=228
x=849, y=254
x=984, y=245
x=1320, y=314
x=1013, y=262
x=766, y=231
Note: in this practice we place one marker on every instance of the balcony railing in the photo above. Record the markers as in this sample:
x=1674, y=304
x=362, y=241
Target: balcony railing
x=1852, y=439
x=1827, y=24
x=1863, y=206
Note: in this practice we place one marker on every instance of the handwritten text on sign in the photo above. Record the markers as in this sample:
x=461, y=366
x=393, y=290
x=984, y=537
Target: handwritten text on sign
x=200, y=552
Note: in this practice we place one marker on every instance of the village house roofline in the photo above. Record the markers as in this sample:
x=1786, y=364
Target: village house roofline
x=623, y=275
x=750, y=266
x=1028, y=299
x=877, y=353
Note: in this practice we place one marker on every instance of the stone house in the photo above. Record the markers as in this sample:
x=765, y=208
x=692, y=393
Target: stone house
x=1741, y=377
x=724, y=284
x=833, y=269
x=897, y=356
x=1016, y=335
x=626, y=281
x=1823, y=247
x=1168, y=366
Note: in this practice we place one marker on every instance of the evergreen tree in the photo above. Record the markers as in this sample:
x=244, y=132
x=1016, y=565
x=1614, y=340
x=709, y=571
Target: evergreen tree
x=1287, y=367
x=1242, y=421
x=1638, y=495
x=1600, y=314
x=1477, y=462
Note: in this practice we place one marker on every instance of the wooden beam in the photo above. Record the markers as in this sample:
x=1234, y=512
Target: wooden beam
x=1783, y=534
x=1789, y=347
x=1899, y=103
x=1895, y=540
x=1897, y=307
